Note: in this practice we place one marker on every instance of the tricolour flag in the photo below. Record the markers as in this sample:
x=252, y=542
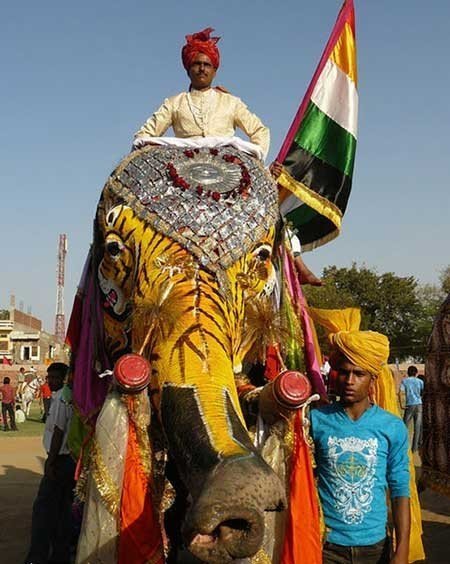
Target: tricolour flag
x=318, y=153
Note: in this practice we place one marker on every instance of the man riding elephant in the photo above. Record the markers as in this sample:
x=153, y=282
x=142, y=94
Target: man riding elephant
x=210, y=115
x=205, y=111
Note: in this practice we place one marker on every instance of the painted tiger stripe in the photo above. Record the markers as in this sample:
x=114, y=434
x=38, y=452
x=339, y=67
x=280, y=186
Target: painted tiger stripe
x=218, y=341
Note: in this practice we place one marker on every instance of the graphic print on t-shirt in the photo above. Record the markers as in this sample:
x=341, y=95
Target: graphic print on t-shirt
x=354, y=462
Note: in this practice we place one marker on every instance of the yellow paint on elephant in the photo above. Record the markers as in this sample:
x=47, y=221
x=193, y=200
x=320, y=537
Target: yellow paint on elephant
x=191, y=326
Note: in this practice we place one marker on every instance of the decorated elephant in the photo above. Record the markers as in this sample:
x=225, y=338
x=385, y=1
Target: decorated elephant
x=186, y=270
x=436, y=435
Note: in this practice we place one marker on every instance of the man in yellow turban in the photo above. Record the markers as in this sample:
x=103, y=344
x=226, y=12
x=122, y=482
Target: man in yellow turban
x=361, y=450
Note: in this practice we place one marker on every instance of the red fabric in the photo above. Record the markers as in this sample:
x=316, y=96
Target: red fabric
x=273, y=364
x=140, y=534
x=302, y=543
x=201, y=42
x=46, y=392
x=7, y=361
x=74, y=328
x=8, y=393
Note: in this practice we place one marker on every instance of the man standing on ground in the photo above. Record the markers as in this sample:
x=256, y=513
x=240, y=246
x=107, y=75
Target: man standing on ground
x=46, y=396
x=412, y=387
x=8, y=394
x=20, y=381
x=51, y=519
x=361, y=451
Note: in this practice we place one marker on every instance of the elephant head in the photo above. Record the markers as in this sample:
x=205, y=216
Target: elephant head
x=184, y=241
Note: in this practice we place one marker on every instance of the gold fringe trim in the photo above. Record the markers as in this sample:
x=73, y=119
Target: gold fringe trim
x=321, y=242
x=105, y=485
x=261, y=558
x=138, y=412
x=316, y=202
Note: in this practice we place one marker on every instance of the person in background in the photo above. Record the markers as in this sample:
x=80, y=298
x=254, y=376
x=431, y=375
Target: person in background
x=325, y=369
x=20, y=415
x=46, y=397
x=8, y=394
x=20, y=381
x=412, y=387
x=51, y=524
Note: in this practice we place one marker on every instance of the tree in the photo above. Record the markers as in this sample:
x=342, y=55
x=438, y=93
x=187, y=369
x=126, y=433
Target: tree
x=389, y=304
x=444, y=279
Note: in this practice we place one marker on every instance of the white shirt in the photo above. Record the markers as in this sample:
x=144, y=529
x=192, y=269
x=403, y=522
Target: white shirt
x=59, y=416
x=209, y=113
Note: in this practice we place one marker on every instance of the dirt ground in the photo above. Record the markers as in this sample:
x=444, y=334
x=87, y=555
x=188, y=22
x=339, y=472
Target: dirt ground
x=21, y=464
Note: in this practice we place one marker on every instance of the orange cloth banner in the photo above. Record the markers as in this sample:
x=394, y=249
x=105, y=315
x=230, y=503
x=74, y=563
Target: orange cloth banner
x=140, y=540
x=302, y=542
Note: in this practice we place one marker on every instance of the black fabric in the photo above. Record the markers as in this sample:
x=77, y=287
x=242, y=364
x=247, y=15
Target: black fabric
x=319, y=176
x=8, y=410
x=378, y=553
x=51, y=525
x=324, y=180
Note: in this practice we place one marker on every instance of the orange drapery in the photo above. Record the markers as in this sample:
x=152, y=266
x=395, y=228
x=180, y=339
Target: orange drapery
x=140, y=539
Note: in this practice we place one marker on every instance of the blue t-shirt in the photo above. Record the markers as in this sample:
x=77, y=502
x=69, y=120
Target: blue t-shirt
x=413, y=388
x=356, y=462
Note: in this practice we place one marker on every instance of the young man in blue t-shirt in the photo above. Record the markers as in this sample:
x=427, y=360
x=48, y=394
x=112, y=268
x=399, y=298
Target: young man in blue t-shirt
x=412, y=387
x=361, y=452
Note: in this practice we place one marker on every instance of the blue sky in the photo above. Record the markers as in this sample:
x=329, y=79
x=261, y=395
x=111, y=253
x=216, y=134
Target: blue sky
x=78, y=78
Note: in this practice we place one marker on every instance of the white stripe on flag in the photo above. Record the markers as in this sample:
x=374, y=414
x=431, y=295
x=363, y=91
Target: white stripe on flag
x=336, y=96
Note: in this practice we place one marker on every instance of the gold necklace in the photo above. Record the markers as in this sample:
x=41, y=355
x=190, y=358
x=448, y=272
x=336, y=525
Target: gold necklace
x=200, y=118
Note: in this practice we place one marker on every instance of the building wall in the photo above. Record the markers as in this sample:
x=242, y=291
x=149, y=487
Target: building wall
x=24, y=321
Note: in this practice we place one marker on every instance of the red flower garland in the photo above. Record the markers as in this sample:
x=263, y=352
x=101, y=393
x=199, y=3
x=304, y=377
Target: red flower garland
x=180, y=182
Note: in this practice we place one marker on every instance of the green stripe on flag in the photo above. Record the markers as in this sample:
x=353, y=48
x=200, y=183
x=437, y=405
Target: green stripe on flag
x=327, y=140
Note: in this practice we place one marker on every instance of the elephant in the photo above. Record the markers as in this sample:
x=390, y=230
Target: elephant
x=436, y=436
x=184, y=244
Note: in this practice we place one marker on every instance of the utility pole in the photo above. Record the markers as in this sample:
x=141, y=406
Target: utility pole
x=60, y=324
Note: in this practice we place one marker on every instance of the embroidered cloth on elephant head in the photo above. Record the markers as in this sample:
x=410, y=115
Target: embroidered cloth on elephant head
x=216, y=202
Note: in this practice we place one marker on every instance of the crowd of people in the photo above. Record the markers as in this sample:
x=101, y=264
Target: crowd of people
x=12, y=398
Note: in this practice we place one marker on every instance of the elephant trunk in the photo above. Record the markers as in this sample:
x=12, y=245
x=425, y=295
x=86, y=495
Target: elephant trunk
x=226, y=522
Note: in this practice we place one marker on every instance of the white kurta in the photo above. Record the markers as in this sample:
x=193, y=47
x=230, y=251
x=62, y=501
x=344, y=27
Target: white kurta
x=209, y=113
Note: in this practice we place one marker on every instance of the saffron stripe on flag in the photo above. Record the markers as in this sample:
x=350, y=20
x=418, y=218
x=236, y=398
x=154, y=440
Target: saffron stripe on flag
x=336, y=96
x=344, y=53
x=327, y=140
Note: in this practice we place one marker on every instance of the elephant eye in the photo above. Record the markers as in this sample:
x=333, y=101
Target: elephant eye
x=113, y=248
x=264, y=253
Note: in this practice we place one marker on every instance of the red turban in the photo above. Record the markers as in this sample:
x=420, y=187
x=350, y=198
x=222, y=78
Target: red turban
x=201, y=42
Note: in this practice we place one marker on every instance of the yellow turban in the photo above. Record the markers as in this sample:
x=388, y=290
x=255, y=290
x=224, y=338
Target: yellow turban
x=367, y=349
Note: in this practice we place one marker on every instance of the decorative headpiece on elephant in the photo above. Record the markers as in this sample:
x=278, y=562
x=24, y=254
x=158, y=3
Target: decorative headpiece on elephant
x=183, y=257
